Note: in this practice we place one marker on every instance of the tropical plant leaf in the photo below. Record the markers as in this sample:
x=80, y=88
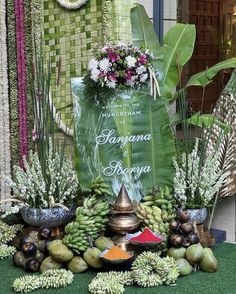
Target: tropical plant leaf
x=207, y=121
x=143, y=33
x=161, y=149
x=205, y=77
x=178, y=49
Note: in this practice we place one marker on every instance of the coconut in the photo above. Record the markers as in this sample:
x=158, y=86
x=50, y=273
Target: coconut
x=209, y=263
x=177, y=252
x=184, y=266
x=194, y=253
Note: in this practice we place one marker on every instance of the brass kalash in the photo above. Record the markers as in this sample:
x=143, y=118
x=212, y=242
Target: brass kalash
x=123, y=218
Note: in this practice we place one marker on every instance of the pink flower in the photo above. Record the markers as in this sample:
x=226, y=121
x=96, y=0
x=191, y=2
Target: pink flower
x=113, y=57
x=112, y=77
x=142, y=59
x=34, y=135
x=129, y=74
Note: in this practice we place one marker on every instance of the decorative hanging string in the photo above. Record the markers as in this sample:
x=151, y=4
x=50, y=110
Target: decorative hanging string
x=21, y=72
x=72, y=5
x=57, y=118
x=107, y=21
x=154, y=85
x=5, y=155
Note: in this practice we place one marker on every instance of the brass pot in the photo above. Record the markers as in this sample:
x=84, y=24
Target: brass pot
x=123, y=223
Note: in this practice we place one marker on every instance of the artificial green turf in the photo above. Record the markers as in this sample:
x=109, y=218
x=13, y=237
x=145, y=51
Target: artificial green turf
x=224, y=281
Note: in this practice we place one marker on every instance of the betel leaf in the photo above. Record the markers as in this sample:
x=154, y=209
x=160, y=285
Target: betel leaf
x=205, y=77
x=143, y=33
x=178, y=45
x=207, y=121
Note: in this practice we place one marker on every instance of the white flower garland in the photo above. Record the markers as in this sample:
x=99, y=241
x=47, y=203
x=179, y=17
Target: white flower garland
x=5, y=155
x=72, y=5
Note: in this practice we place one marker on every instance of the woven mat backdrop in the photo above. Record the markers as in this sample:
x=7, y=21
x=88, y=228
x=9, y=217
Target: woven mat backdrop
x=72, y=35
x=69, y=35
x=5, y=156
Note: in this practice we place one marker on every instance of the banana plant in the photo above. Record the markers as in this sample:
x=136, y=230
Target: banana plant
x=172, y=55
x=175, y=52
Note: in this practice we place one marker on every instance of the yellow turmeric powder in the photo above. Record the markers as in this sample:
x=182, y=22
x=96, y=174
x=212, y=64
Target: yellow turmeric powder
x=116, y=253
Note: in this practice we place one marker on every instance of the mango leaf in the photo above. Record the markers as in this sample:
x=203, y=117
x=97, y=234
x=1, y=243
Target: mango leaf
x=143, y=33
x=207, y=121
x=205, y=77
x=178, y=49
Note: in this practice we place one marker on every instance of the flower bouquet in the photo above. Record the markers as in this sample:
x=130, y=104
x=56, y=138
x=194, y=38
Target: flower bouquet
x=120, y=65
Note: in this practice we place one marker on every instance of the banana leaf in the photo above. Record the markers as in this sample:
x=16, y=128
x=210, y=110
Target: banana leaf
x=125, y=137
x=207, y=121
x=143, y=33
x=205, y=77
x=178, y=45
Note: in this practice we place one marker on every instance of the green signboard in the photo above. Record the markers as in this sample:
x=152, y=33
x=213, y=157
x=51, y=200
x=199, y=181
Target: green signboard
x=125, y=139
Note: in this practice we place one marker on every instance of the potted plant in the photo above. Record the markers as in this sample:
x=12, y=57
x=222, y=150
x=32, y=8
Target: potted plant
x=198, y=178
x=44, y=185
x=44, y=198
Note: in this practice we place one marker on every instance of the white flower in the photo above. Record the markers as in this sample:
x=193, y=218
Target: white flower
x=95, y=74
x=131, y=61
x=121, y=44
x=141, y=69
x=130, y=82
x=111, y=84
x=93, y=64
x=104, y=64
x=143, y=78
x=104, y=49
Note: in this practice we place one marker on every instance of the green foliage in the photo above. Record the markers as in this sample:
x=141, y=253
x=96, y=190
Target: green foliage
x=205, y=77
x=143, y=33
x=177, y=49
x=207, y=121
x=178, y=45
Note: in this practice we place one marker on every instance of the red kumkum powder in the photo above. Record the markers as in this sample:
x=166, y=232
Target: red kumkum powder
x=146, y=236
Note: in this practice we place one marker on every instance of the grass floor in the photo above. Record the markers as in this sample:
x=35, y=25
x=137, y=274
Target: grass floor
x=224, y=281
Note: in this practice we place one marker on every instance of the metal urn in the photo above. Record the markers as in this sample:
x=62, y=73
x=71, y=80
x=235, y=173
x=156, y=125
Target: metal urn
x=123, y=218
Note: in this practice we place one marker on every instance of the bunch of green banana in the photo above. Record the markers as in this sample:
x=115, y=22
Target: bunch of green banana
x=99, y=187
x=163, y=199
x=152, y=217
x=91, y=219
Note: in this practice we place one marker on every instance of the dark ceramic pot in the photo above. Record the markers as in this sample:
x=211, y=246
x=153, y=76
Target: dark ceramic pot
x=50, y=217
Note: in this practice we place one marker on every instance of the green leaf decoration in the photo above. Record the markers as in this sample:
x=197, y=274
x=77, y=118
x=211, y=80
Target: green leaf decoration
x=178, y=49
x=125, y=137
x=207, y=121
x=143, y=33
x=205, y=77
